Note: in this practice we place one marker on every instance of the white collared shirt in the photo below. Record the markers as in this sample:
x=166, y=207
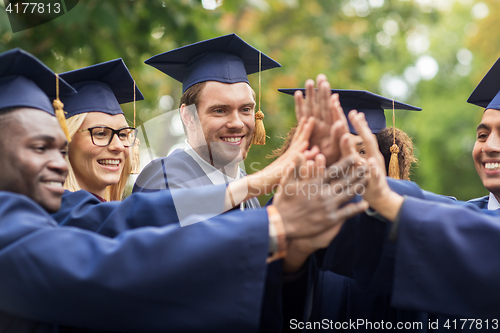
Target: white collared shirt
x=216, y=176
x=493, y=203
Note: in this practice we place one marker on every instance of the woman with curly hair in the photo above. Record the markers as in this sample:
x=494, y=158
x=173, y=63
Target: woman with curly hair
x=372, y=106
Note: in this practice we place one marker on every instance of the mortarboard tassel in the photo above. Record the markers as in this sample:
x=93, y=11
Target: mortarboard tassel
x=60, y=114
x=259, y=135
x=394, y=162
x=135, y=159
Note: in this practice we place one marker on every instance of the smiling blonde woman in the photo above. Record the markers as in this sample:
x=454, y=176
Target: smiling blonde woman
x=99, y=152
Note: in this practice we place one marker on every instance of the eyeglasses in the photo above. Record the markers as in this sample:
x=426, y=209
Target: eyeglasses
x=102, y=135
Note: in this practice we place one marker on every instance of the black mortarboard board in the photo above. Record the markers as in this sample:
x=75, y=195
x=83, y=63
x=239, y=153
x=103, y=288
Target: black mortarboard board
x=487, y=92
x=101, y=88
x=27, y=82
x=227, y=59
x=372, y=105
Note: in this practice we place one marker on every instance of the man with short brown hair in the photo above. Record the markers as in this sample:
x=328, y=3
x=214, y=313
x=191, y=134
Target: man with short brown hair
x=217, y=111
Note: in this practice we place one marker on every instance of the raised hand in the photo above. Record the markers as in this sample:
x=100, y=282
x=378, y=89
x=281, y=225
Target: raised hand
x=318, y=103
x=378, y=193
x=298, y=250
x=312, y=198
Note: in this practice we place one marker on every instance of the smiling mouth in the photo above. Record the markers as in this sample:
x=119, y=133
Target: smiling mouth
x=53, y=183
x=492, y=166
x=112, y=163
x=233, y=139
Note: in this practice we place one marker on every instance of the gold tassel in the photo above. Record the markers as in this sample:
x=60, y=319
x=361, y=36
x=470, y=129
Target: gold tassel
x=135, y=158
x=60, y=114
x=394, y=161
x=259, y=134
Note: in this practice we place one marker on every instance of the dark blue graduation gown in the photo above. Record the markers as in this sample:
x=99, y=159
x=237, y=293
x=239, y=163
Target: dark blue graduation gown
x=83, y=210
x=178, y=170
x=205, y=277
x=447, y=259
x=481, y=202
x=350, y=281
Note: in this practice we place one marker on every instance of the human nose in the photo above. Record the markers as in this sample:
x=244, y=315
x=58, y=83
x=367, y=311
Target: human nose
x=58, y=164
x=116, y=144
x=492, y=144
x=235, y=121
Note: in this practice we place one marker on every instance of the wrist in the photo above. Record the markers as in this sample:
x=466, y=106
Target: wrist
x=277, y=235
x=388, y=205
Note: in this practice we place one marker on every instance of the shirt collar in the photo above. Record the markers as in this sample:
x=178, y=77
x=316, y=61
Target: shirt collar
x=493, y=203
x=216, y=176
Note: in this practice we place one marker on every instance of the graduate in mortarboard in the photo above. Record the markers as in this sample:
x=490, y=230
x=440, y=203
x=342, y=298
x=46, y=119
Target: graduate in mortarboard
x=101, y=138
x=220, y=116
x=143, y=272
x=27, y=86
x=373, y=105
x=439, y=257
x=334, y=297
x=486, y=152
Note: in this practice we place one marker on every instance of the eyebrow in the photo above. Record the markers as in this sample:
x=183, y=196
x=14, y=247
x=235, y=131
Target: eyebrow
x=43, y=137
x=107, y=126
x=359, y=143
x=51, y=139
x=482, y=126
x=227, y=105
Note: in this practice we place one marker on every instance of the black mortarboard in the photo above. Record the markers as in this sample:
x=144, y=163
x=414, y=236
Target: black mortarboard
x=227, y=59
x=26, y=82
x=487, y=92
x=372, y=105
x=101, y=88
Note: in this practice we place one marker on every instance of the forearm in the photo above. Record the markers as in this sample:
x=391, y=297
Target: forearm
x=251, y=186
x=387, y=205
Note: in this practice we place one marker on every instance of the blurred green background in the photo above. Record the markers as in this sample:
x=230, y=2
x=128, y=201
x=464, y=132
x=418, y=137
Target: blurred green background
x=429, y=53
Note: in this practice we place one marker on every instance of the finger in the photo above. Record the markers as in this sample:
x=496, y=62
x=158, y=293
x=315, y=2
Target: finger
x=345, y=168
x=311, y=154
x=352, y=209
x=299, y=104
x=324, y=93
x=310, y=97
x=300, y=126
x=359, y=123
x=305, y=131
x=335, y=135
x=300, y=163
x=298, y=130
x=343, y=190
x=347, y=145
x=375, y=170
x=339, y=169
x=284, y=180
x=310, y=166
x=338, y=111
x=320, y=161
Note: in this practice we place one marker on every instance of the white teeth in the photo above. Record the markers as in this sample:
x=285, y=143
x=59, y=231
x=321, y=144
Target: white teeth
x=492, y=166
x=109, y=162
x=57, y=184
x=237, y=139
